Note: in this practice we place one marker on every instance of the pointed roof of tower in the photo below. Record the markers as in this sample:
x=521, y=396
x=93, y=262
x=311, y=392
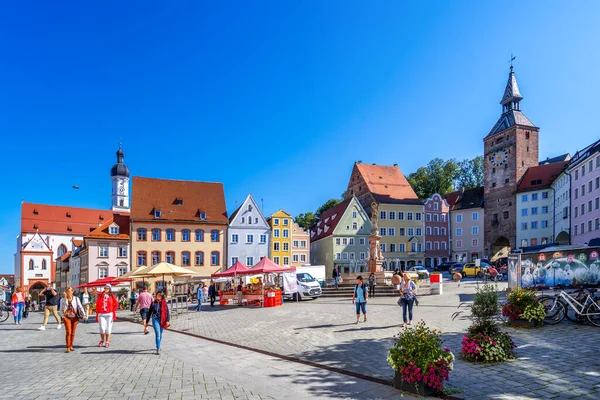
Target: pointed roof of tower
x=120, y=169
x=511, y=93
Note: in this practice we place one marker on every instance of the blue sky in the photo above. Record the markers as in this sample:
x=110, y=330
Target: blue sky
x=274, y=98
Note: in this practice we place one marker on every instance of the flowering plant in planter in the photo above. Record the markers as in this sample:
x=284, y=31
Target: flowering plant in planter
x=418, y=357
x=522, y=304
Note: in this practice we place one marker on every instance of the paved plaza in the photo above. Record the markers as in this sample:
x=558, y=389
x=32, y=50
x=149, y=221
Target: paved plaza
x=36, y=367
x=555, y=361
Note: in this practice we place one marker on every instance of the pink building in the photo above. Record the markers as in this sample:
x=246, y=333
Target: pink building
x=584, y=169
x=437, y=231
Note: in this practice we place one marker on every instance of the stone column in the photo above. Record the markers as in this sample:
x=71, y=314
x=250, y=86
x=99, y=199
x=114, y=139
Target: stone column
x=375, y=258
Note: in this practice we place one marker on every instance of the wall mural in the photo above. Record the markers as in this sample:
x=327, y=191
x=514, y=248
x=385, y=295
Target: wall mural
x=573, y=267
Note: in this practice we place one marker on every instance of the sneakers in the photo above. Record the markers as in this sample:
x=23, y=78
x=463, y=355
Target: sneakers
x=42, y=328
x=58, y=326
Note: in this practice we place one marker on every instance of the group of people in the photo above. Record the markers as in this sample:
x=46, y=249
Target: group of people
x=69, y=310
x=402, y=282
x=204, y=293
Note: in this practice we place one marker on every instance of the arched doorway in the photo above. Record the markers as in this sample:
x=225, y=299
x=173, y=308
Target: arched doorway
x=35, y=290
x=428, y=262
x=500, y=248
x=563, y=238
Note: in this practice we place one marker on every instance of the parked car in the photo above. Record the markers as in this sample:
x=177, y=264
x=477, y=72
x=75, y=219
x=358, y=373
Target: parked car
x=421, y=271
x=470, y=269
x=443, y=267
x=456, y=268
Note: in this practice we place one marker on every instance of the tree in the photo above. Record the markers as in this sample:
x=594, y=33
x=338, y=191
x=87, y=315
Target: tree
x=470, y=173
x=437, y=177
x=306, y=220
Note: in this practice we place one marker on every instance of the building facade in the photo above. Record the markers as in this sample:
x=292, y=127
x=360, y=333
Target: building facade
x=561, y=188
x=300, y=246
x=437, y=227
x=249, y=234
x=180, y=222
x=466, y=224
x=341, y=237
x=535, y=205
x=510, y=148
x=584, y=169
x=401, y=222
x=108, y=250
x=281, y=237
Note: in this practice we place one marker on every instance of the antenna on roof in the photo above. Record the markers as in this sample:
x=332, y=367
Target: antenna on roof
x=262, y=205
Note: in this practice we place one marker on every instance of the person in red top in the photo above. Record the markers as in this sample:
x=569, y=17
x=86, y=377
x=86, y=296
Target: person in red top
x=106, y=313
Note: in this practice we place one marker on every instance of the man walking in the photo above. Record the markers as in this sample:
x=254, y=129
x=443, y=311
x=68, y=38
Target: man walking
x=360, y=298
x=143, y=304
x=212, y=293
x=51, y=304
x=336, y=275
x=199, y=297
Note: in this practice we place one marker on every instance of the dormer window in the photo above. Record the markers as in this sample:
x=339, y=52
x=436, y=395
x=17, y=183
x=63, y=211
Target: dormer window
x=35, y=212
x=249, y=207
x=35, y=226
x=69, y=229
x=536, y=182
x=178, y=202
x=203, y=216
x=157, y=214
x=114, y=230
x=101, y=218
x=68, y=215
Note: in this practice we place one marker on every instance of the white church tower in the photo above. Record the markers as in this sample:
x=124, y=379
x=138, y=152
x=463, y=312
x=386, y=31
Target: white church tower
x=119, y=174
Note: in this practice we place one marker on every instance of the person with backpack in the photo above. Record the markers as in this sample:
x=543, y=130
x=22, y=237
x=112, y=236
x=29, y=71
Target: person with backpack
x=360, y=298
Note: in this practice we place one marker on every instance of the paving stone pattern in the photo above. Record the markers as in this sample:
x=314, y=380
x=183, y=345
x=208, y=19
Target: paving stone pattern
x=554, y=362
x=35, y=366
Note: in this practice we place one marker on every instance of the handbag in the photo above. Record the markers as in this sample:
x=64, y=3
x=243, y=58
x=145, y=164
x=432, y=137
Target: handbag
x=400, y=301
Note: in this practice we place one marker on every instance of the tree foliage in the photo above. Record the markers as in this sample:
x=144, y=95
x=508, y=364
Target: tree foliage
x=306, y=220
x=440, y=176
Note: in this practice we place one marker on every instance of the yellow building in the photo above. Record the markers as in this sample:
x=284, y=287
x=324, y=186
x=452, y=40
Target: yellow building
x=281, y=237
x=401, y=227
x=180, y=222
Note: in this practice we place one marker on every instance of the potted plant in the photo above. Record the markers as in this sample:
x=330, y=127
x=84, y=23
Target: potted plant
x=419, y=361
x=523, y=309
x=485, y=341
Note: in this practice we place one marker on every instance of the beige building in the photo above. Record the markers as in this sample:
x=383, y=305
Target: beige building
x=466, y=224
x=180, y=222
x=300, y=246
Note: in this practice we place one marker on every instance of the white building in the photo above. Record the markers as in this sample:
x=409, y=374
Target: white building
x=561, y=188
x=535, y=205
x=249, y=234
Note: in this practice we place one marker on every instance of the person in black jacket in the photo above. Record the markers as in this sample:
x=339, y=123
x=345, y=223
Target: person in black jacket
x=160, y=316
x=212, y=293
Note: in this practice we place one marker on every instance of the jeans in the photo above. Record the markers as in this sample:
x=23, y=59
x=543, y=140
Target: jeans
x=371, y=290
x=158, y=331
x=70, y=328
x=213, y=298
x=199, y=306
x=19, y=308
x=361, y=306
x=132, y=305
x=336, y=281
x=407, y=304
x=47, y=311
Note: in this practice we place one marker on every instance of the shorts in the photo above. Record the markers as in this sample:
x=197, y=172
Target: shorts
x=361, y=306
x=144, y=313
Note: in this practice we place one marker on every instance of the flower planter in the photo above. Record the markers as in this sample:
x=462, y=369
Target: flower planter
x=522, y=322
x=419, y=388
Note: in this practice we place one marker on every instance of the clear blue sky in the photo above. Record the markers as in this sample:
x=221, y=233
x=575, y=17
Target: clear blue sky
x=220, y=91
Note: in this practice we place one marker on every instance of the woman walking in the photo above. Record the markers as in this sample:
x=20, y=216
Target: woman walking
x=106, y=313
x=408, y=289
x=70, y=311
x=18, y=304
x=160, y=316
x=85, y=302
x=372, y=284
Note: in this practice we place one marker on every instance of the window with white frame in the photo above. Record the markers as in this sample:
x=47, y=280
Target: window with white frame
x=303, y=258
x=545, y=210
x=114, y=230
x=276, y=233
x=363, y=255
x=475, y=242
x=351, y=241
x=362, y=241
x=286, y=246
x=411, y=231
x=249, y=238
x=338, y=241
x=443, y=231
x=436, y=245
x=276, y=260
x=401, y=215
x=354, y=214
x=459, y=244
x=295, y=244
x=392, y=215
x=249, y=261
x=234, y=238
x=444, y=245
x=103, y=251
x=436, y=206
x=427, y=217
x=524, y=198
x=345, y=241
x=295, y=258
x=286, y=222
x=459, y=218
x=428, y=230
x=344, y=255
x=382, y=215
x=338, y=256
x=475, y=230
x=263, y=239
x=419, y=216
x=286, y=233
x=458, y=231
x=392, y=247
x=544, y=224
x=435, y=218
x=419, y=232
x=436, y=231
x=382, y=247
x=276, y=222
x=544, y=195
x=409, y=216
x=524, y=212
x=475, y=216
x=383, y=231
x=427, y=245
x=534, y=196
x=354, y=226
x=102, y=272
x=121, y=271
x=122, y=251
x=276, y=246
x=233, y=261
x=351, y=254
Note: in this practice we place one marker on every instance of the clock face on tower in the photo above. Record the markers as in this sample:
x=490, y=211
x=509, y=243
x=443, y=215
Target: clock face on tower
x=121, y=189
x=499, y=157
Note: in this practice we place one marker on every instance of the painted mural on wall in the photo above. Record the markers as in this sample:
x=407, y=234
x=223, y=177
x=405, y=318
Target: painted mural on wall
x=573, y=267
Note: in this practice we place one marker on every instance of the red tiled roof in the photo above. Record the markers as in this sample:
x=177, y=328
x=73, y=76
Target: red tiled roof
x=102, y=232
x=333, y=216
x=65, y=256
x=150, y=194
x=540, y=176
x=465, y=199
x=62, y=220
x=452, y=198
x=388, y=183
x=77, y=242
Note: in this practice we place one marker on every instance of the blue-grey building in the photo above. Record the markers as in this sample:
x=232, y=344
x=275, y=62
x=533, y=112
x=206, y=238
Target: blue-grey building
x=249, y=234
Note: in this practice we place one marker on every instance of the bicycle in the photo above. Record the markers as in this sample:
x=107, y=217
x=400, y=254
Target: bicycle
x=5, y=311
x=571, y=315
x=557, y=306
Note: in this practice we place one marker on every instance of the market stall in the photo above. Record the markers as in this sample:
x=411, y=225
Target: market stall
x=259, y=291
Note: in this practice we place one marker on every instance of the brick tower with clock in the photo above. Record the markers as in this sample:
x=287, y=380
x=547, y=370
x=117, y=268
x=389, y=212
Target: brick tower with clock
x=509, y=149
x=119, y=174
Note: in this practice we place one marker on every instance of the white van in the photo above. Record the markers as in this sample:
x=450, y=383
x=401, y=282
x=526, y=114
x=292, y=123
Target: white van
x=306, y=286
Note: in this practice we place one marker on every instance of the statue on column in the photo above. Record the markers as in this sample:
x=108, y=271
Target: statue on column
x=375, y=219
x=375, y=256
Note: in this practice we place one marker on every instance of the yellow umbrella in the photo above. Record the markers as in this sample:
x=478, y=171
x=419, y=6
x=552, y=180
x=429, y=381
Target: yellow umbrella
x=162, y=269
x=130, y=273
